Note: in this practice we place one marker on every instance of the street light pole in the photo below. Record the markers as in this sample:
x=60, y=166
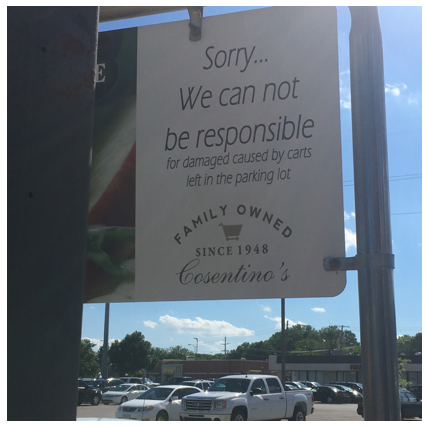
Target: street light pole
x=197, y=346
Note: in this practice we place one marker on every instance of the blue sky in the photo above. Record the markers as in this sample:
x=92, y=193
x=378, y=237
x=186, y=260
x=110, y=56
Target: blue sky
x=167, y=324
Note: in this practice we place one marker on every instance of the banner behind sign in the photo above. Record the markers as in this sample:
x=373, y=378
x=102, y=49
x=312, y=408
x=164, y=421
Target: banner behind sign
x=238, y=159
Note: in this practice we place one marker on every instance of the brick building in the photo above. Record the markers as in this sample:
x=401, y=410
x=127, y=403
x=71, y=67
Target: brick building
x=206, y=369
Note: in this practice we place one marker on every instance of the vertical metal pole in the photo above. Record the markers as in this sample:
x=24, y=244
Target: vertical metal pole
x=105, y=346
x=373, y=225
x=51, y=56
x=283, y=341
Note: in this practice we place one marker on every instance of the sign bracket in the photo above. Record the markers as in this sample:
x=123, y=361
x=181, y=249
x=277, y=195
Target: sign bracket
x=196, y=15
x=359, y=262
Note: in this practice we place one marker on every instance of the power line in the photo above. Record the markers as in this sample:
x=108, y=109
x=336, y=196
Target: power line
x=350, y=182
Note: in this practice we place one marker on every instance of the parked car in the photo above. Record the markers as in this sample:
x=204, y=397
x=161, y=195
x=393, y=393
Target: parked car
x=410, y=406
x=105, y=384
x=177, y=380
x=201, y=384
x=298, y=385
x=416, y=390
x=139, y=380
x=353, y=385
x=310, y=384
x=87, y=394
x=122, y=393
x=330, y=394
x=161, y=403
x=354, y=395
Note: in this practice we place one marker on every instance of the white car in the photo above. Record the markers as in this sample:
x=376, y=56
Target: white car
x=140, y=380
x=122, y=393
x=161, y=403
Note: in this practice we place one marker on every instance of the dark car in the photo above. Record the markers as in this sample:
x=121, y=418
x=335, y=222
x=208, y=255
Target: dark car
x=105, y=384
x=298, y=385
x=330, y=394
x=311, y=384
x=353, y=385
x=354, y=395
x=410, y=406
x=178, y=380
x=416, y=390
x=87, y=394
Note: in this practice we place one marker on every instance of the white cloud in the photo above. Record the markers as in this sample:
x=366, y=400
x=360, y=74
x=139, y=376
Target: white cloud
x=150, y=324
x=318, y=310
x=349, y=215
x=266, y=308
x=345, y=93
x=278, y=321
x=350, y=238
x=204, y=327
x=395, y=89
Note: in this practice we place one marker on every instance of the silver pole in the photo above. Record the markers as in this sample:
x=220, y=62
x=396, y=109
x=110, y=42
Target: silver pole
x=104, y=369
x=283, y=341
x=373, y=225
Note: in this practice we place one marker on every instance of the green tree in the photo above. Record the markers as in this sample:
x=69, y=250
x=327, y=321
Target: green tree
x=89, y=365
x=402, y=363
x=409, y=345
x=131, y=355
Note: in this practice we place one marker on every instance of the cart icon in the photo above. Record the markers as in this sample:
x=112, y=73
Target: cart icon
x=232, y=232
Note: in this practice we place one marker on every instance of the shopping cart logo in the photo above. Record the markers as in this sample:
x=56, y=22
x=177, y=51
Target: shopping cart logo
x=231, y=232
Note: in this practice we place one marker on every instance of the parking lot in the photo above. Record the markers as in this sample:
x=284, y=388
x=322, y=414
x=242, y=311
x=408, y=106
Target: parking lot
x=322, y=412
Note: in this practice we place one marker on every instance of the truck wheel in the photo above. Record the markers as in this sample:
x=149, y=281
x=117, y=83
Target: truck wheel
x=299, y=414
x=238, y=415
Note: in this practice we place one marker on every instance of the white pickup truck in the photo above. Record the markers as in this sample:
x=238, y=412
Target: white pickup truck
x=247, y=397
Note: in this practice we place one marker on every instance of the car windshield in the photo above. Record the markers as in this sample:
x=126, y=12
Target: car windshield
x=122, y=387
x=95, y=383
x=290, y=387
x=235, y=385
x=157, y=393
x=148, y=381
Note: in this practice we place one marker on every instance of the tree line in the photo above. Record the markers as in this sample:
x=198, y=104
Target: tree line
x=133, y=353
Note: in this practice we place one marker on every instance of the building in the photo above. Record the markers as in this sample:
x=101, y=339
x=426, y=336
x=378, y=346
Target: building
x=323, y=369
x=327, y=369
x=206, y=369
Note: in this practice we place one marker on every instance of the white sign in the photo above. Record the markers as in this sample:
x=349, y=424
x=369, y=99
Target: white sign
x=239, y=179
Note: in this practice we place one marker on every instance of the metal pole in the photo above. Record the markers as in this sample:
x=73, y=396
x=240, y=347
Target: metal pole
x=105, y=346
x=283, y=341
x=51, y=57
x=376, y=287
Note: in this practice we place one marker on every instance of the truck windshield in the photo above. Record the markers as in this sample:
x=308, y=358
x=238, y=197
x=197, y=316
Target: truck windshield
x=235, y=385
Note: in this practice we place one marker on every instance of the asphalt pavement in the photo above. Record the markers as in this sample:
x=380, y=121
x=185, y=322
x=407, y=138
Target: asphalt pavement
x=322, y=412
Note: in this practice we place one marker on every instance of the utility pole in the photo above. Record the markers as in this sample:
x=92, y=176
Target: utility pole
x=225, y=346
x=104, y=369
x=283, y=341
x=341, y=336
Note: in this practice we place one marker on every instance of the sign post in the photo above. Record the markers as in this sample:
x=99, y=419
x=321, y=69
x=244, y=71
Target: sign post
x=375, y=270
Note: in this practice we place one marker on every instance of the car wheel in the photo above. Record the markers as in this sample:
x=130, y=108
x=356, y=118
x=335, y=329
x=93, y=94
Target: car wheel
x=123, y=399
x=238, y=415
x=162, y=416
x=329, y=399
x=299, y=414
x=95, y=400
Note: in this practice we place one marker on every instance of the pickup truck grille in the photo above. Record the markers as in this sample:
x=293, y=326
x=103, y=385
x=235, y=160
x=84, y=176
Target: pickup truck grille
x=198, y=405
